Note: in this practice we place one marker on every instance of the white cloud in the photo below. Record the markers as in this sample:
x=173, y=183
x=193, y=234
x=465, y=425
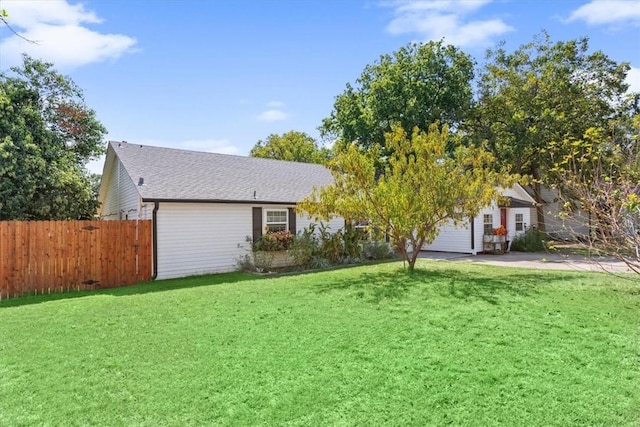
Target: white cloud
x=633, y=79
x=448, y=19
x=275, y=104
x=61, y=32
x=272, y=115
x=598, y=12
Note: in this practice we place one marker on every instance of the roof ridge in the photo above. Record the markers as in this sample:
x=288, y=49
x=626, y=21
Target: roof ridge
x=211, y=153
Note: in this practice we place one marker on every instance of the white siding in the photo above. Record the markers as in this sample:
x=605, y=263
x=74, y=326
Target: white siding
x=304, y=221
x=452, y=239
x=511, y=221
x=201, y=238
x=121, y=197
x=458, y=239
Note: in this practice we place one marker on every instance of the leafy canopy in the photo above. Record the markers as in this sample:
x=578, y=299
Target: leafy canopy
x=293, y=146
x=543, y=92
x=47, y=135
x=423, y=186
x=415, y=86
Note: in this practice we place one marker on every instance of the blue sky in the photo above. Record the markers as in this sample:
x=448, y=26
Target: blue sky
x=221, y=75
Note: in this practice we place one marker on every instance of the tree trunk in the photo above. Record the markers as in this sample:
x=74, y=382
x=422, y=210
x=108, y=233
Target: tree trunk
x=537, y=195
x=414, y=255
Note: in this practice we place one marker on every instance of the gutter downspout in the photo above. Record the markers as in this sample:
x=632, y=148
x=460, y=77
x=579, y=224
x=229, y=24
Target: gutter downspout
x=473, y=236
x=154, y=249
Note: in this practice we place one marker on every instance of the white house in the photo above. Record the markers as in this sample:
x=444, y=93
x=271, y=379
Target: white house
x=204, y=205
x=515, y=216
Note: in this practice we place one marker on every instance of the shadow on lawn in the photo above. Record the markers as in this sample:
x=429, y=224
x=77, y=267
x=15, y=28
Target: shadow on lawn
x=139, y=289
x=398, y=284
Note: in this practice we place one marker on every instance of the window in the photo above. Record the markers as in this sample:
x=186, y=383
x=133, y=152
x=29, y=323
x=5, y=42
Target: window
x=277, y=220
x=519, y=222
x=362, y=230
x=488, y=224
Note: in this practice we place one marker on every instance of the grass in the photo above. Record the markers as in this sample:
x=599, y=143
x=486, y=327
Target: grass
x=454, y=344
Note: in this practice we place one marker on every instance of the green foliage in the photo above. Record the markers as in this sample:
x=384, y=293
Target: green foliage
x=306, y=247
x=532, y=240
x=245, y=263
x=422, y=187
x=293, y=146
x=312, y=248
x=340, y=247
x=540, y=93
x=47, y=134
x=544, y=92
x=415, y=86
x=319, y=246
x=366, y=346
x=378, y=250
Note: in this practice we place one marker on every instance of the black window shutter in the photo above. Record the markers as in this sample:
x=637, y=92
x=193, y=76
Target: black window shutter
x=292, y=220
x=257, y=224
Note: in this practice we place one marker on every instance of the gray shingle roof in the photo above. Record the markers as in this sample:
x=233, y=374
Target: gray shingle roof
x=516, y=203
x=172, y=174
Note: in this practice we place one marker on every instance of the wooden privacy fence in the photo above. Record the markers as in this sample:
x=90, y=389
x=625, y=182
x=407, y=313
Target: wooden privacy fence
x=52, y=256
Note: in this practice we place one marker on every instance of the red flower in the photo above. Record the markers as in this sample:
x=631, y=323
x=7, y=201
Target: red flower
x=500, y=231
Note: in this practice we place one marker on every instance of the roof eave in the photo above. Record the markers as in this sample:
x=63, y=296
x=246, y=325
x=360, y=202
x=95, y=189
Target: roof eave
x=246, y=202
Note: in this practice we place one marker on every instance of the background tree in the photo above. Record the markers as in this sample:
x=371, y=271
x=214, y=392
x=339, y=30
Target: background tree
x=415, y=86
x=423, y=187
x=294, y=146
x=540, y=93
x=599, y=182
x=47, y=135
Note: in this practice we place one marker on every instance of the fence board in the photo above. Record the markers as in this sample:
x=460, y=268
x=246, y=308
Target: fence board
x=53, y=256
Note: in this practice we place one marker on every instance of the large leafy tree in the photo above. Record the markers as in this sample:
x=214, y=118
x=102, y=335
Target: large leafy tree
x=293, y=146
x=540, y=93
x=415, y=86
x=423, y=186
x=47, y=134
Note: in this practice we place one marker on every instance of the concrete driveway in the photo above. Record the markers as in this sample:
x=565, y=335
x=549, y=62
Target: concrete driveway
x=547, y=261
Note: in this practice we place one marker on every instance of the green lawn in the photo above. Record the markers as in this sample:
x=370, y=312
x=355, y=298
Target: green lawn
x=454, y=344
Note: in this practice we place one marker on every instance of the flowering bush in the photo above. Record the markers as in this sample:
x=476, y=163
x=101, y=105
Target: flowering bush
x=500, y=231
x=274, y=241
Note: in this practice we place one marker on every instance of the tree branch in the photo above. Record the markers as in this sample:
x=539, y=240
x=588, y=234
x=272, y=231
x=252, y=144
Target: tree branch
x=4, y=21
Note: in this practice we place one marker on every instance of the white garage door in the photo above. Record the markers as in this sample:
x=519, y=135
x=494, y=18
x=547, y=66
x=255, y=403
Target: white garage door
x=452, y=239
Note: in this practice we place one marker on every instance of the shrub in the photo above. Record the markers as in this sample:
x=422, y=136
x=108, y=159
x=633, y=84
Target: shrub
x=245, y=263
x=305, y=246
x=379, y=250
x=263, y=260
x=532, y=240
x=274, y=241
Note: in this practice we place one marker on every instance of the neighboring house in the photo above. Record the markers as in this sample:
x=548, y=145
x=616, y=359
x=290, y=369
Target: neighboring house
x=515, y=216
x=555, y=224
x=204, y=205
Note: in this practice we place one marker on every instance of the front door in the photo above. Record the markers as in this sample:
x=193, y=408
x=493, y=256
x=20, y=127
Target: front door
x=503, y=218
